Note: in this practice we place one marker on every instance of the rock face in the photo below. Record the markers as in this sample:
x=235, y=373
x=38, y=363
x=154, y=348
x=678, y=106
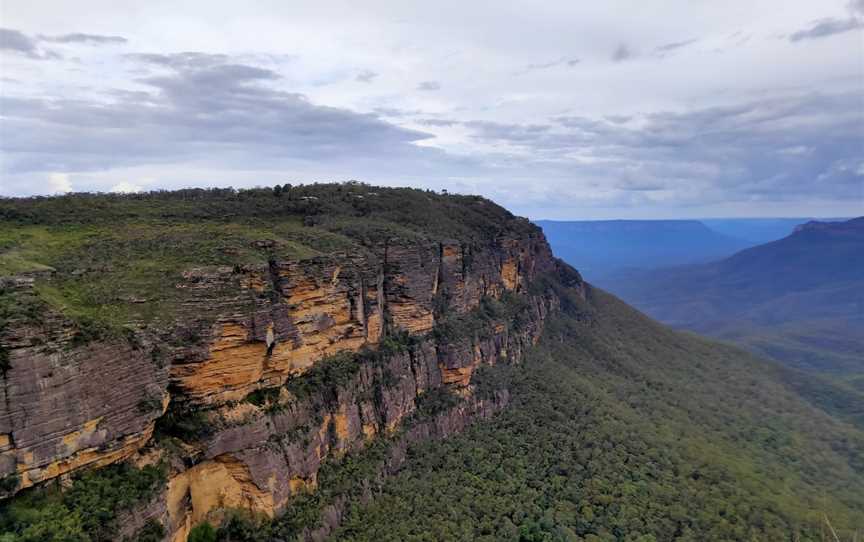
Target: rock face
x=245, y=355
x=66, y=406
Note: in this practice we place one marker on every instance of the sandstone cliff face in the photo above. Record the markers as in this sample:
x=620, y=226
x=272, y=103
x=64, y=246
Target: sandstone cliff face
x=66, y=406
x=295, y=313
x=260, y=329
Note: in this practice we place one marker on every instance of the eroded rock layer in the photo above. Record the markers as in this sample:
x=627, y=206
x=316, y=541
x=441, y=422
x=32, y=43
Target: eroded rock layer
x=65, y=405
x=244, y=355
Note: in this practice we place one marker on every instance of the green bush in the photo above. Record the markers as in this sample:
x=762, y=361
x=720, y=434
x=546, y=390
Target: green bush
x=435, y=401
x=187, y=425
x=203, y=532
x=263, y=396
x=325, y=377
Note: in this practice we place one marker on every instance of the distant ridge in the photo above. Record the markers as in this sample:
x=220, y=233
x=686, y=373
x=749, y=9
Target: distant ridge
x=603, y=247
x=760, y=230
x=799, y=299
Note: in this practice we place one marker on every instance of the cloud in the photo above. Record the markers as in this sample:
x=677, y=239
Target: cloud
x=180, y=61
x=827, y=27
x=663, y=50
x=622, y=53
x=125, y=187
x=20, y=43
x=642, y=135
x=30, y=46
x=13, y=40
x=618, y=119
x=438, y=122
x=366, y=76
x=771, y=149
x=199, y=107
x=395, y=112
x=59, y=183
x=429, y=85
x=89, y=39
x=569, y=62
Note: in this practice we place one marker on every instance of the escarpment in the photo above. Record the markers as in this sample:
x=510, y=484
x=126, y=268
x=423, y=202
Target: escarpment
x=263, y=372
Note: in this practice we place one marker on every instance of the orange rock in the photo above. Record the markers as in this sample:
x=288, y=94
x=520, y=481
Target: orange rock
x=510, y=274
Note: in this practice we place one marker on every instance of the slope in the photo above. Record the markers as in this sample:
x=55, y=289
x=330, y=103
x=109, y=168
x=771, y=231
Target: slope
x=798, y=299
x=621, y=429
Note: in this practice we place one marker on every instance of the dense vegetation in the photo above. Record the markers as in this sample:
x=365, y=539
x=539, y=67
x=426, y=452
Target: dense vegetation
x=623, y=430
x=358, y=210
x=86, y=511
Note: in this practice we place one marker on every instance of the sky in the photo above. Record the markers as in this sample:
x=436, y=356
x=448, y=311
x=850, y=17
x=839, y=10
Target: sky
x=554, y=109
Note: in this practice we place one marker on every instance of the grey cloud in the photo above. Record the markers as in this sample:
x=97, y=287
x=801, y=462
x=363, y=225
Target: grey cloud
x=438, y=122
x=856, y=6
x=13, y=40
x=180, y=61
x=543, y=66
x=670, y=47
x=19, y=42
x=200, y=109
x=30, y=46
x=569, y=62
x=618, y=119
x=429, y=85
x=395, y=112
x=726, y=153
x=827, y=27
x=366, y=76
x=622, y=53
x=90, y=39
x=519, y=134
x=738, y=38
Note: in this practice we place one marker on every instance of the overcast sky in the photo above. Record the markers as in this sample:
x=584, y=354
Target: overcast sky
x=555, y=109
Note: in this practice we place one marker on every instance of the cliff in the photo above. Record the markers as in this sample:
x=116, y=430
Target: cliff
x=261, y=370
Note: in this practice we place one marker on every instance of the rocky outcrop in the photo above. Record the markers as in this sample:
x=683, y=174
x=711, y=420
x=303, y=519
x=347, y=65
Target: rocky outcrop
x=250, y=350
x=283, y=443
x=298, y=312
x=64, y=406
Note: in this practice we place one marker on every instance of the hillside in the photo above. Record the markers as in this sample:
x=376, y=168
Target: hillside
x=799, y=299
x=361, y=363
x=759, y=230
x=620, y=429
x=603, y=247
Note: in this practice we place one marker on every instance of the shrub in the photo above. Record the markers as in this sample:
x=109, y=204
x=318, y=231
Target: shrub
x=263, y=396
x=203, y=532
x=436, y=401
